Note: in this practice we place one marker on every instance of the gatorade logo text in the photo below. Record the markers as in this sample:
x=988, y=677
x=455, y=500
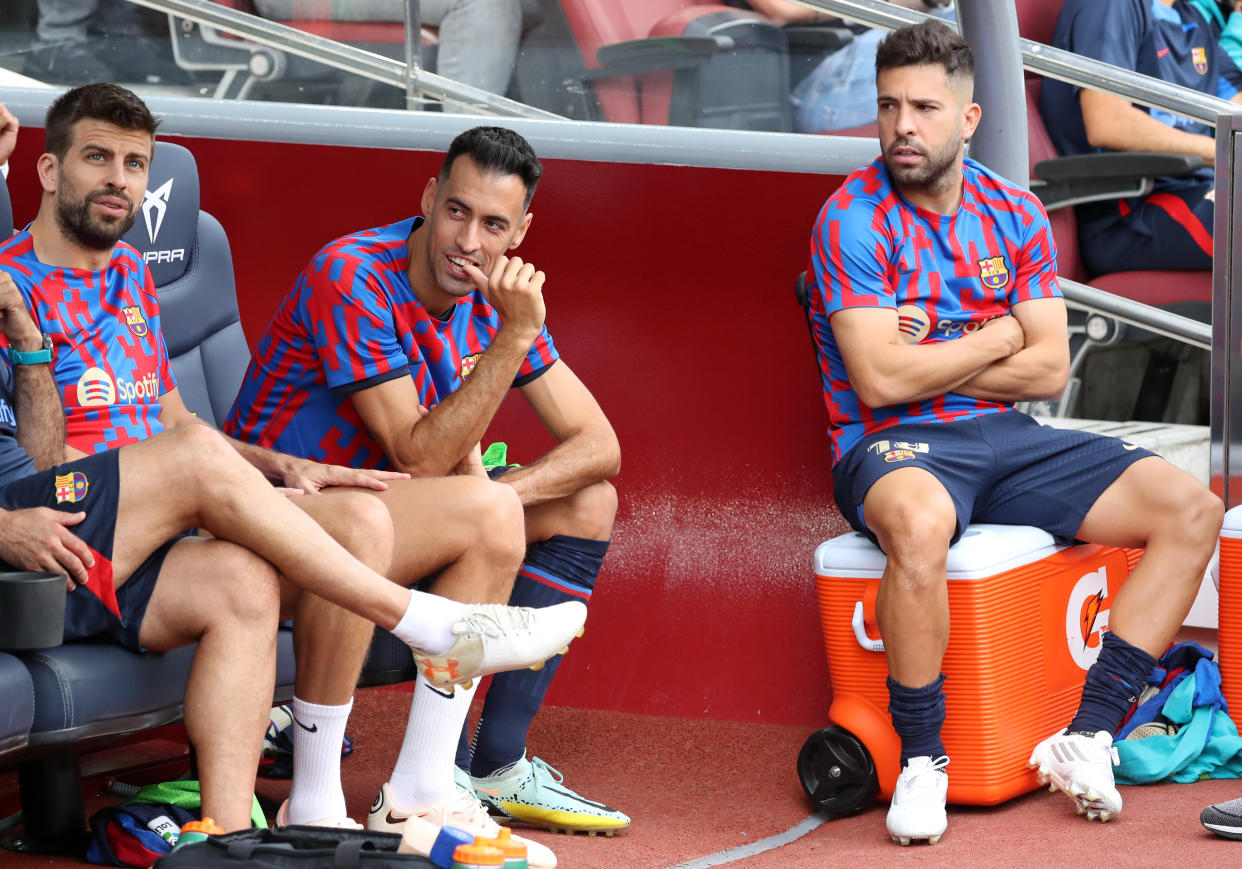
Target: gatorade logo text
x=1086, y=617
x=97, y=388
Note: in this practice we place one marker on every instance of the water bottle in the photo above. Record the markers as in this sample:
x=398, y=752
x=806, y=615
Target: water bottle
x=197, y=831
x=477, y=856
x=435, y=843
x=514, y=850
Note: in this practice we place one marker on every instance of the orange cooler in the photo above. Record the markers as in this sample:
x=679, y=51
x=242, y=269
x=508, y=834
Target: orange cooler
x=1229, y=624
x=1027, y=617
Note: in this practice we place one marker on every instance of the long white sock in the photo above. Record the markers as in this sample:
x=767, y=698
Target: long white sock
x=428, y=621
x=424, y=770
x=317, y=734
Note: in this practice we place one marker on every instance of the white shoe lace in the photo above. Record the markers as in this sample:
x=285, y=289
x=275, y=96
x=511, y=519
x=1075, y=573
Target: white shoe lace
x=496, y=620
x=913, y=779
x=466, y=809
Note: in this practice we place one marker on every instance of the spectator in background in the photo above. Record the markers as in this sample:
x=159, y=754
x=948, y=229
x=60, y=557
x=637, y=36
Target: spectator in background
x=478, y=39
x=840, y=92
x=69, y=48
x=1171, y=227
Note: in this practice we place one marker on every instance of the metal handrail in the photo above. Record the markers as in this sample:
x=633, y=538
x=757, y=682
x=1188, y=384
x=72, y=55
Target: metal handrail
x=341, y=56
x=1155, y=320
x=1055, y=63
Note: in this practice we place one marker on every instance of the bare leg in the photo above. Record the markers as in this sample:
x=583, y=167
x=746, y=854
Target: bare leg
x=225, y=598
x=587, y=513
x=223, y=494
x=912, y=515
x=1177, y=520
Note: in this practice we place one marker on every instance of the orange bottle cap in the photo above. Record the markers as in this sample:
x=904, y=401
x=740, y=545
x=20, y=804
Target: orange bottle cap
x=478, y=854
x=507, y=845
x=206, y=825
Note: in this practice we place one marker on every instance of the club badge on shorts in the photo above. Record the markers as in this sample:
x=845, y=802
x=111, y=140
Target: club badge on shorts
x=71, y=487
x=898, y=451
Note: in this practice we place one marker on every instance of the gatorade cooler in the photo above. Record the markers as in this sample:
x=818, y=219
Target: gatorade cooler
x=1229, y=624
x=1027, y=616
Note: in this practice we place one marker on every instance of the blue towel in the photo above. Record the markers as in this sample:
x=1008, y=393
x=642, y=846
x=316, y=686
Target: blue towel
x=1206, y=745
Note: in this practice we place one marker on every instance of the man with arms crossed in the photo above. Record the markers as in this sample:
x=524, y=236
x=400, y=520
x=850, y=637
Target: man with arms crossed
x=935, y=307
x=430, y=312
x=88, y=292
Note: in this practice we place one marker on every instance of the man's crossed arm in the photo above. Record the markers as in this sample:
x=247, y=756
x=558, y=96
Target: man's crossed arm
x=1011, y=358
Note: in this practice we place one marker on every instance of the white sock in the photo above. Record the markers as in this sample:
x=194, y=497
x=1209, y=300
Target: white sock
x=424, y=770
x=428, y=622
x=317, y=734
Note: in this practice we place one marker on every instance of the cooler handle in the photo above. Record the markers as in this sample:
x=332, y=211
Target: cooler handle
x=860, y=631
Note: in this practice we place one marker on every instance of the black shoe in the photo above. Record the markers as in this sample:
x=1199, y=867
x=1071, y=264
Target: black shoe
x=67, y=63
x=1224, y=819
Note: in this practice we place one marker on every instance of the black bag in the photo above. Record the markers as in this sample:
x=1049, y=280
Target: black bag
x=296, y=848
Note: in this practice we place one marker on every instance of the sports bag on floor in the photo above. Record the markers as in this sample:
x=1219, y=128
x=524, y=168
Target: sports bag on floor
x=296, y=848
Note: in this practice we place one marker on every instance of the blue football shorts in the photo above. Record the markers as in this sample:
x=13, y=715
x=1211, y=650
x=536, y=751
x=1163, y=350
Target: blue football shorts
x=1003, y=468
x=101, y=609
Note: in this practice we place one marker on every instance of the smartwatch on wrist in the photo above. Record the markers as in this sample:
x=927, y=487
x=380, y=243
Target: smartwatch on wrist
x=33, y=357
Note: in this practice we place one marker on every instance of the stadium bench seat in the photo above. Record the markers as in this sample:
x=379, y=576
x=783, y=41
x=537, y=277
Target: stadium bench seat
x=657, y=62
x=1099, y=176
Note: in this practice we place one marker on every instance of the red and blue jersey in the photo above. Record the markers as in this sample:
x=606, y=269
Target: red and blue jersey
x=944, y=275
x=110, y=360
x=352, y=321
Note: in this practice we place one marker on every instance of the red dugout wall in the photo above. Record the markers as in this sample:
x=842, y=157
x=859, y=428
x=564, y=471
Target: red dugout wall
x=670, y=292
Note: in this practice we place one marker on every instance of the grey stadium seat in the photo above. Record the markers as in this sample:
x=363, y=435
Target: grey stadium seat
x=192, y=266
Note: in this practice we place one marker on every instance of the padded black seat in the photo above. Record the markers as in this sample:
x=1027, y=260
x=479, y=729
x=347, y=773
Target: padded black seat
x=17, y=706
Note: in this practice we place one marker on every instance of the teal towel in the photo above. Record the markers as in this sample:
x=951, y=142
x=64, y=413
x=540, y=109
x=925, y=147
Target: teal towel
x=1207, y=744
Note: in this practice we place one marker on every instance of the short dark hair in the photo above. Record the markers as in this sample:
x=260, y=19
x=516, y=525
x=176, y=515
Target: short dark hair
x=101, y=101
x=499, y=151
x=931, y=41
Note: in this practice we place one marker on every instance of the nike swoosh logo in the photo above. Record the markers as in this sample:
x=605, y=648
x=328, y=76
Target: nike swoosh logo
x=1130, y=446
x=492, y=791
x=390, y=819
x=579, y=798
x=1162, y=52
x=447, y=695
x=314, y=728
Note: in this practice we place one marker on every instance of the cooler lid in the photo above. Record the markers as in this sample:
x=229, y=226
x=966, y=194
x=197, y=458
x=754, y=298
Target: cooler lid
x=1233, y=523
x=982, y=550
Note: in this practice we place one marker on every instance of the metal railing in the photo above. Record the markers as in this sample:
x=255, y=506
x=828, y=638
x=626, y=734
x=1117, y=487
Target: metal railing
x=341, y=56
x=1054, y=63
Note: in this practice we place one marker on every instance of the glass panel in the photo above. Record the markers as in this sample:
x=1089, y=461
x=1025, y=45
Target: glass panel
x=735, y=64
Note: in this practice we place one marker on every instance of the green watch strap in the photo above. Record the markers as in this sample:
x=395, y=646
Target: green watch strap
x=34, y=357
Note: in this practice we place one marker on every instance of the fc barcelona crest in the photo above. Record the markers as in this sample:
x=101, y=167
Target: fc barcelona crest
x=135, y=321
x=993, y=273
x=1198, y=56
x=467, y=365
x=71, y=487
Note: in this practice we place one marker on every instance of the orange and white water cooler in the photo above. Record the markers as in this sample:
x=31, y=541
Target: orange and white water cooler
x=1026, y=620
x=1229, y=624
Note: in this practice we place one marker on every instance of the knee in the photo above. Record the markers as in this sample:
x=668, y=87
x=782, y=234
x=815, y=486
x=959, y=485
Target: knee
x=916, y=540
x=247, y=589
x=1200, y=513
x=500, y=521
x=363, y=526
x=204, y=456
x=592, y=511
